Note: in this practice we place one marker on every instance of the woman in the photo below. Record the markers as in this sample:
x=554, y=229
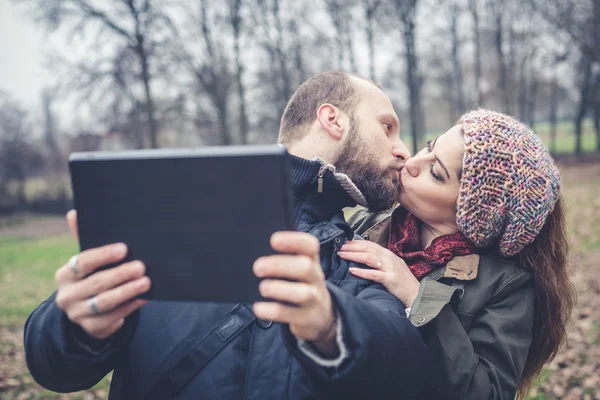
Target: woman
x=478, y=254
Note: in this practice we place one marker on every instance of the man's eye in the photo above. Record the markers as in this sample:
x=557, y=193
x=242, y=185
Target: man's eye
x=388, y=127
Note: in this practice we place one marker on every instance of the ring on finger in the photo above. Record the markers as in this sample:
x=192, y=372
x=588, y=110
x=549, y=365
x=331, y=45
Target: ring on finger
x=379, y=264
x=93, y=305
x=74, y=264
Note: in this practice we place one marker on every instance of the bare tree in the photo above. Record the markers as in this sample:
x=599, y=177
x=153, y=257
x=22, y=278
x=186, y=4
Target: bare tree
x=585, y=88
x=201, y=43
x=271, y=36
x=290, y=44
x=460, y=103
x=555, y=91
x=497, y=8
x=580, y=19
x=235, y=7
x=340, y=12
x=406, y=11
x=596, y=105
x=50, y=131
x=14, y=156
x=371, y=8
x=131, y=23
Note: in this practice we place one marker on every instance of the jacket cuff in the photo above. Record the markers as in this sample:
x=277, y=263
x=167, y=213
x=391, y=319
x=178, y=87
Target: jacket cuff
x=85, y=342
x=432, y=297
x=308, y=349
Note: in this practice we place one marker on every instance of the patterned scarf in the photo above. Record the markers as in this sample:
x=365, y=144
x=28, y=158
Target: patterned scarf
x=405, y=242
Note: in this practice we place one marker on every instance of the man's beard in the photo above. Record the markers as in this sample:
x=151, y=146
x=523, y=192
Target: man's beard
x=360, y=163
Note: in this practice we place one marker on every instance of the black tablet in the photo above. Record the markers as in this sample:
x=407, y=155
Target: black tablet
x=197, y=218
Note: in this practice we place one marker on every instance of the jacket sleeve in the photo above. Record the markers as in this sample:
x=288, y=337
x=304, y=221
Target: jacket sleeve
x=487, y=361
x=386, y=355
x=62, y=357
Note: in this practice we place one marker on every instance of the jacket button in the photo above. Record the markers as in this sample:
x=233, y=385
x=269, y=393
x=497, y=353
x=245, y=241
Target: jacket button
x=265, y=323
x=366, y=237
x=422, y=320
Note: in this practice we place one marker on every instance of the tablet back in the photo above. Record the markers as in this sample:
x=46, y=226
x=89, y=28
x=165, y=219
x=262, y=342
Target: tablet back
x=197, y=218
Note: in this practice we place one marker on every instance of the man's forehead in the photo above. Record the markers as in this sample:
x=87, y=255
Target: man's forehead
x=366, y=86
x=369, y=93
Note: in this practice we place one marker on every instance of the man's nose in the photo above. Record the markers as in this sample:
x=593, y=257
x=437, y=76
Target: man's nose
x=401, y=151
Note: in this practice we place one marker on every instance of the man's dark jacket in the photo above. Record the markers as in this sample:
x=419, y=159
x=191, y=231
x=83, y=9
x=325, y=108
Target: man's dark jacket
x=385, y=351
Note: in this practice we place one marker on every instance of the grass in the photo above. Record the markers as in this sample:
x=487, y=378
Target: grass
x=27, y=269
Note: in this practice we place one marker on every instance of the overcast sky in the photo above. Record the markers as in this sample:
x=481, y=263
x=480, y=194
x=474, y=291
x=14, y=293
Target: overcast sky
x=21, y=59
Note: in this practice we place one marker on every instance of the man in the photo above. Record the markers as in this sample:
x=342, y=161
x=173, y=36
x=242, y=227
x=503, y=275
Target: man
x=335, y=336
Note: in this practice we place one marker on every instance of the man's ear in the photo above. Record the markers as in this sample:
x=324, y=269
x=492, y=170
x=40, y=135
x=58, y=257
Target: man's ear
x=332, y=120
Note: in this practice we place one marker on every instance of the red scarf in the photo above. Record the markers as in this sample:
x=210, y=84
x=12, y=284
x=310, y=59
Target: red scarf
x=405, y=242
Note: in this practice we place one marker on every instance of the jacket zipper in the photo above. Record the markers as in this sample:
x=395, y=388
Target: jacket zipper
x=320, y=180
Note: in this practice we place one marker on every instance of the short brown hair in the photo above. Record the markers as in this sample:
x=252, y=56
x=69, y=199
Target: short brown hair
x=333, y=87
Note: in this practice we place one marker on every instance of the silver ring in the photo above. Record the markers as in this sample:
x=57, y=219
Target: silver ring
x=73, y=264
x=93, y=304
x=379, y=264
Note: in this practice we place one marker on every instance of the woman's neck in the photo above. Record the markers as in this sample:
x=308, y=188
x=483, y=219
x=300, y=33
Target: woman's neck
x=430, y=232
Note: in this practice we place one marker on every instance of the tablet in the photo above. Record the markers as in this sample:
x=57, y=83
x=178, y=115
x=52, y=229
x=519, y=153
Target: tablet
x=197, y=218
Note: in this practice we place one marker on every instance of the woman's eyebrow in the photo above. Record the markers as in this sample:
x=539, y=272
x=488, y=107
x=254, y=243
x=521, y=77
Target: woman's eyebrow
x=443, y=166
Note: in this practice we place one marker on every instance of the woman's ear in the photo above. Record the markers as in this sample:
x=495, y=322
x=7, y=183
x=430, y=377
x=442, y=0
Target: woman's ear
x=332, y=120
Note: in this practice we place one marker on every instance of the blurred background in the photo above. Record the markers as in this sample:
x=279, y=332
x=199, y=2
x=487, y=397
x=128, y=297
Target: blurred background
x=81, y=75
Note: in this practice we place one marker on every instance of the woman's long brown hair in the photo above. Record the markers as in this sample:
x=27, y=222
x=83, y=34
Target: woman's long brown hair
x=547, y=258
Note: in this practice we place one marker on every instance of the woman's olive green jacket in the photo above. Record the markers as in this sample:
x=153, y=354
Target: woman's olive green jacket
x=476, y=315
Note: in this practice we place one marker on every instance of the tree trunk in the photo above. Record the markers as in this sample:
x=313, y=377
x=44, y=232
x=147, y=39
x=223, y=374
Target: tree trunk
x=370, y=41
x=223, y=115
x=584, y=89
x=477, y=49
x=597, y=125
x=523, y=86
x=553, y=115
x=148, y=92
x=299, y=61
x=578, y=128
x=501, y=62
x=458, y=74
x=236, y=23
x=412, y=76
x=532, y=102
x=510, y=66
x=50, y=131
x=597, y=109
x=350, y=50
x=284, y=75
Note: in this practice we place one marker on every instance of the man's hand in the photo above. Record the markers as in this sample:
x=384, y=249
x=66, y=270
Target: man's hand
x=99, y=303
x=296, y=282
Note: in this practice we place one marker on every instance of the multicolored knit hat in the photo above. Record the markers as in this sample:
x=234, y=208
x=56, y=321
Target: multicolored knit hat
x=509, y=182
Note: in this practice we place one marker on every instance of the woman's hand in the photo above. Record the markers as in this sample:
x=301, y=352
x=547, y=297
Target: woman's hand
x=388, y=269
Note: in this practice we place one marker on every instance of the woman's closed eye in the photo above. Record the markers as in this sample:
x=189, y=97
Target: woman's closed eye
x=431, y=169
x=434, y=175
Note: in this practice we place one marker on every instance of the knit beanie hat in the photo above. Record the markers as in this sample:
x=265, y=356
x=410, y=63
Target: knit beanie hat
x=509, y=182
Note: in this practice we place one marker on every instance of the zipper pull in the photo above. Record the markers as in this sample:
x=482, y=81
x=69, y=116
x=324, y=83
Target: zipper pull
x=320, y=180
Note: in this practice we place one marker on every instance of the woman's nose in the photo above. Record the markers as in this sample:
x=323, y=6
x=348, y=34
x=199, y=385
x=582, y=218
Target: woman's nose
x=411, y=165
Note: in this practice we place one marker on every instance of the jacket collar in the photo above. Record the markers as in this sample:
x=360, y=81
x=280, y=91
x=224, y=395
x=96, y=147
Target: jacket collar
x=462, y=268
x=319, y=192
